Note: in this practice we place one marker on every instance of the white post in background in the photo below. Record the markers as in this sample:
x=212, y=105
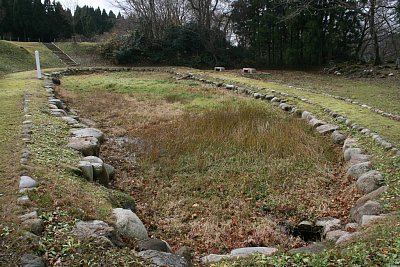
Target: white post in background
x=39, y=73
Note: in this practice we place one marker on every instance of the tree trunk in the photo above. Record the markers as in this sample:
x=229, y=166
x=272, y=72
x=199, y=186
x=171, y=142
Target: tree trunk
x=374, y=35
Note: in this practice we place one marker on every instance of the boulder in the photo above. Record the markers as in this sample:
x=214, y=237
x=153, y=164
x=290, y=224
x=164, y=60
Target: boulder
x=314, y=248
x=87, y=170
x=306, y=115
x=29, y=260
x=349, y=142
x=357, y=159
x=328, y=224
x=129, y=225
x=357, y=170
x=185, y=252
x=370, y=196
x=338, y=137
x=153, y=244
x=88, y=132
x=368, y=208
x=368, y=219
x=316, y=122
x=214, y=258
x=275, y=99
x=245, y=252
x=58, y=112
x=35, y=226
x=109, y=169
x=57, y=102
x=334, y=235
x=100, y=231
x=350, y=152
x=344, y=238
x=369, y=181
x=327, y=128
x=351, y=227
x=27, y=182
x=93, y=159
x=69, y=120
x=158, y=258
x=88, y=146
x=285, y=107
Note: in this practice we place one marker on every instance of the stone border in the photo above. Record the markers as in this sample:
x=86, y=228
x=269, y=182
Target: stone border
x=30, y=221
x=349, y=100
x=339, y=118
x=358, y=165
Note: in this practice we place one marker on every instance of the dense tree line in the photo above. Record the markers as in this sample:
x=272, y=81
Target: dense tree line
x=32, y=20
x=259, y=32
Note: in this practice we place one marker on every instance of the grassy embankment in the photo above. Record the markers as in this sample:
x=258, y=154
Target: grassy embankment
x=85, y=54
x=212, y=168
x=20, y=56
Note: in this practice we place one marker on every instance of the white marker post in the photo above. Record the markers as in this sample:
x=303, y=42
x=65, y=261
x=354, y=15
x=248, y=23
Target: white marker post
x=39, y=73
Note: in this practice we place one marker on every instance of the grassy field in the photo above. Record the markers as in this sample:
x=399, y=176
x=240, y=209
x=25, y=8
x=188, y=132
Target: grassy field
x=11, y=92
x=86, y=54
x=378, y=92
x=207, y=169
x=20, y=56
x=388, y=128
x=203, y=153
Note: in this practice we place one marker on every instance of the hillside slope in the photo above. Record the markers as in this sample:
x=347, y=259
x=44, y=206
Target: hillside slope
x=20, y=56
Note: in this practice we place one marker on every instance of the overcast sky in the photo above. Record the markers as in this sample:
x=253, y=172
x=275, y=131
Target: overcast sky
x=94, y=3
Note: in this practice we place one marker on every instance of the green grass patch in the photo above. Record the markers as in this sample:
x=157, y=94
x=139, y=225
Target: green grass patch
x=11, y=92
x=378, y=92
x=20, y=56
x=154, y=85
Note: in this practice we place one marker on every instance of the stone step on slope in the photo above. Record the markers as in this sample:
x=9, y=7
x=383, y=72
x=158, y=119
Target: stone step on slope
x=60, y=54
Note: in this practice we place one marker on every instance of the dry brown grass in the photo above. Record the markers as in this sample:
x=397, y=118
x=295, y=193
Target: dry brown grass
x=221, y=178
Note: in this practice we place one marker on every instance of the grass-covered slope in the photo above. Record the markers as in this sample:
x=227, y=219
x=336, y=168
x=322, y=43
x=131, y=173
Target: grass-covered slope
x=85, y=54
x=20, y=56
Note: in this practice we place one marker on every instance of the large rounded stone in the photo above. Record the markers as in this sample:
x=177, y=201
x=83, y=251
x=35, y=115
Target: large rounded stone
x=357, y=170
x=88, y=146
x=97, y=230
x=158, y=258
x=245, y=252
x=314, y=248
x=369, y=181
x=35, y=226
x=153, y=244
x=327, y=128
x=369, y=208
x=87, y=170
x=338, y=137
x=334, y=235
x=349, y=142
x=328, y=224
x=129, y=225
x=27, y=182
x=348, y=153
x=88, y=132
